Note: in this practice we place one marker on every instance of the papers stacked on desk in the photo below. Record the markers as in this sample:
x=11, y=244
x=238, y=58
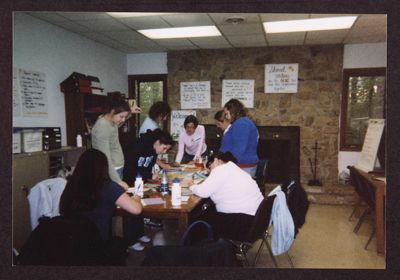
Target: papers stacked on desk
x=152, y=201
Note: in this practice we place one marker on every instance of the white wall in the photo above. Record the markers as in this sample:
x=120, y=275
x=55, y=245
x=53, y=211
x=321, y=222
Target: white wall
x=360, y=56
x=147, y=63
x=46, y=48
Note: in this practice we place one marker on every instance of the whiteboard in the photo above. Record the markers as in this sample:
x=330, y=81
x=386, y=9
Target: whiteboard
x=32, y=90
x=370, y=147
x=242, y=90
x=177, y=119
x=281, y=78
x=195, y=95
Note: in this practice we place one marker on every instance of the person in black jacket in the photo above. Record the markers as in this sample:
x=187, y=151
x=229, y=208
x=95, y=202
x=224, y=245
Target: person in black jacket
x=141, y=155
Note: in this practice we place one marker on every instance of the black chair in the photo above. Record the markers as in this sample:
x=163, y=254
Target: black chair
x=260, y=176
x=258, y=230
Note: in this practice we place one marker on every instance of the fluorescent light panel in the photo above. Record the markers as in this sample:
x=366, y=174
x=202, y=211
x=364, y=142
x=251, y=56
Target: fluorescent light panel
x=125, y=15
x=314, y=24
x=181, y=32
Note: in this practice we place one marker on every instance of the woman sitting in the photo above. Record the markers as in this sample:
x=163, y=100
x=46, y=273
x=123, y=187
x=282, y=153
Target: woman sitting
x=235, y=194
x=92, y=194
x=192, y=141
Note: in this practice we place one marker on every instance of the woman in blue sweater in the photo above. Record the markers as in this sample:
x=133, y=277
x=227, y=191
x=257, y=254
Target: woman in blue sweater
x=242, y=137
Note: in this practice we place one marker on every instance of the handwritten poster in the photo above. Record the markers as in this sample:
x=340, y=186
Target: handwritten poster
x=32, y=88
x=195, y=95
x=281, y=78
x=371, y=144
x=16, y=95
x=177, y=119
x=242, y=90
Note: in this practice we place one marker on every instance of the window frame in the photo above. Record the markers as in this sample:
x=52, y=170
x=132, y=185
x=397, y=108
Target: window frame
x=352, y=72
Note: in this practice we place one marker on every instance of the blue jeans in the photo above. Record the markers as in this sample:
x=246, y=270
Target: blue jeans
x=250, y=170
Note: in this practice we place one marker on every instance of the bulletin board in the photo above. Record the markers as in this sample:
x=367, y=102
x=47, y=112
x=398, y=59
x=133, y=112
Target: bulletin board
x=195, y=95
x=370, y=147
x=242, y=90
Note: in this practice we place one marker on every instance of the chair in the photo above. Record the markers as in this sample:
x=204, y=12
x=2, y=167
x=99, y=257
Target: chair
x=355, y=182
x=260, y=176
x=258, y=230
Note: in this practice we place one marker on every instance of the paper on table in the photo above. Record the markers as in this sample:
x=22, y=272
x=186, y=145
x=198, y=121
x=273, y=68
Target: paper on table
x=152, y=201
x=185, y=198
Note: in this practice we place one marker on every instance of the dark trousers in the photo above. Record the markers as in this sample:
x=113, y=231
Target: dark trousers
x=186, y=157
x=233, y=226
x=132, y=228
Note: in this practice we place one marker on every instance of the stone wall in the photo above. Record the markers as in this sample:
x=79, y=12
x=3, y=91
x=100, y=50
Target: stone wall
x=315, y=107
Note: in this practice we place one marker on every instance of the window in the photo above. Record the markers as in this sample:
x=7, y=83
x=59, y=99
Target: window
x=147, y=89
x=363, y=98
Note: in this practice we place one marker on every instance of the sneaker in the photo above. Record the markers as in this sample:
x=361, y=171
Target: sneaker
x=144, y=239
x=136, y=247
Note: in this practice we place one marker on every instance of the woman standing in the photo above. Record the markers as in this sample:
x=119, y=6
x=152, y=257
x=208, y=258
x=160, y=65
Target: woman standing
x=192, y=141
x=105, y=136
x=158, y=113
x=242, y=137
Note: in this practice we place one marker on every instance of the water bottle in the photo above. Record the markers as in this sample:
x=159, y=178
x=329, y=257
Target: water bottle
x=164, y=183
x=78, y=140
x=139, y=185
x=176, y=194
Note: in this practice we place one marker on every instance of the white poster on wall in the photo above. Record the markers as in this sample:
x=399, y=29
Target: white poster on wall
x=32, y=88
x=370, y=147
x=16, y=95
x=195, y=95
x=281, y=78
x=242, y=90
x=177, y=119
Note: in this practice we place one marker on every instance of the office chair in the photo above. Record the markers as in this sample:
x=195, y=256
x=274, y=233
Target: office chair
x=260, y=176
x=258, y=230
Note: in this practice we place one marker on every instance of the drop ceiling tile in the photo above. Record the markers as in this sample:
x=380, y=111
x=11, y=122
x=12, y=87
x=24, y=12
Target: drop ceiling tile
x=123, y=35
x=282, y=17
x=209, y=40
x=285, y=43
x=241, y=29
x=328, y=34
x=291, y=36
x=72, y=26
x=365, y=21
x=330, y=15
x=84, y=15
x=247, y=40
x=171, y=43
x=94, y=35
x=183, y=20
x=47, y=16
x=103, y=24
x=220, y=18
x=323, y=41
x=144, y=22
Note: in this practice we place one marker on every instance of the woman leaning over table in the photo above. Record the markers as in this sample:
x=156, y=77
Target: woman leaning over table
x=242, y=137
x=192, y=141
x=235, y=194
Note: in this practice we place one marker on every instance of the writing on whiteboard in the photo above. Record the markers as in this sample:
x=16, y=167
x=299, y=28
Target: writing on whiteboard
x=32, y=89
x=195, y=95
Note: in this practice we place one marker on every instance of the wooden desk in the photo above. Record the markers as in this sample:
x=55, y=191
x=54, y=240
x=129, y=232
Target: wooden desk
x=380, y=193
x=167, y=211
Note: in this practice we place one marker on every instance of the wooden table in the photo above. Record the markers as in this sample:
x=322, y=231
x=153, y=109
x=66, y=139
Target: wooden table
x=380, y=192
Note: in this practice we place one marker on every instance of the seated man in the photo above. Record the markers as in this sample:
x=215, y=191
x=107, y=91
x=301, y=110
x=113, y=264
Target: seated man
x=235, y=194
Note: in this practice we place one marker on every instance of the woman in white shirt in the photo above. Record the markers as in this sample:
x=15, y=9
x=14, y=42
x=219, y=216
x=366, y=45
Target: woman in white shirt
x=192, y=141
x=235, y=194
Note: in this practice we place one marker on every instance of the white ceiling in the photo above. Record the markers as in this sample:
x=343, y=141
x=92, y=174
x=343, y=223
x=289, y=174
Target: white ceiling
x=121, y=34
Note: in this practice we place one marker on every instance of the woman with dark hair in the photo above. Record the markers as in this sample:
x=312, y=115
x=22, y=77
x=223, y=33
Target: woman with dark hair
x=235, y=194
x=91, y=193
x=242, y=137
x=105, y=136
x=158, y=113
x=192, y=141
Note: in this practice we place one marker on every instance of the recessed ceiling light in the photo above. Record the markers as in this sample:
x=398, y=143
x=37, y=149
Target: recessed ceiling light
x=314, y=24
x=125, y=15
x=181, y=32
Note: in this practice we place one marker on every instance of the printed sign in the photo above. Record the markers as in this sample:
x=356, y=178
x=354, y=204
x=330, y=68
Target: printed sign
x=177, y=120
x=195, y=95
x=281, y=78
x=242, y=90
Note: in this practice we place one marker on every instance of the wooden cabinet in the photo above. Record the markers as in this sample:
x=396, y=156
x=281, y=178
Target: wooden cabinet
x=29, y=169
